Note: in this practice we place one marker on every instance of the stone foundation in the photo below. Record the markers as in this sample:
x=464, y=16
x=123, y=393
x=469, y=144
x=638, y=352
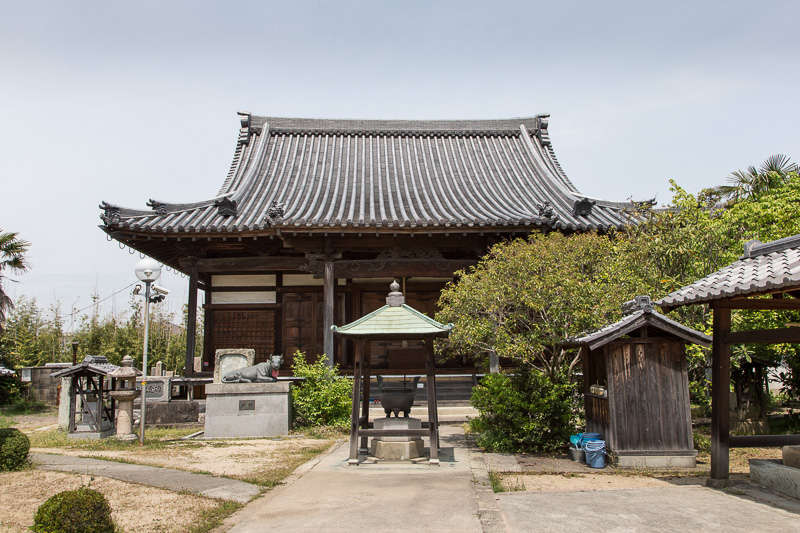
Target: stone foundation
x=397, y=448
x=236, y=410
x=629, y=460
x=776, y=476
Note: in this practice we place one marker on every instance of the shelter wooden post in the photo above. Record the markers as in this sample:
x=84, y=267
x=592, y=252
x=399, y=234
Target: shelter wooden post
x=364, y=422
x=720, y=396
x=354, y=421
x=191, y=322
x=328, y=297
x=433, y=413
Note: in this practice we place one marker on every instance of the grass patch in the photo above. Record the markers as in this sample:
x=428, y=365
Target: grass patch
x=322, y=432
x=274, y=475
x=155, y=439
x=213, y=518
x=496, y=481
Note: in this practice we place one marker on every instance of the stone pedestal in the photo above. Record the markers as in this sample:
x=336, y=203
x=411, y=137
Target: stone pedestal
x=248, y=409
x=125, y=413
x=397, y=448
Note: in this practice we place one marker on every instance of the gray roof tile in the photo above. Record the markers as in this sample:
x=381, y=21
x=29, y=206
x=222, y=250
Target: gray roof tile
x=764, y=268
x=356, y=174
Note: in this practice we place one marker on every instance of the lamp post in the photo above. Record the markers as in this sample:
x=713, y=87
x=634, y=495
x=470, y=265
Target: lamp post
x=147, y=270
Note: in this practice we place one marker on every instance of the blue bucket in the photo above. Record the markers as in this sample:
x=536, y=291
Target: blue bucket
x=595, y=453
x=575, y=440
x=586, y=437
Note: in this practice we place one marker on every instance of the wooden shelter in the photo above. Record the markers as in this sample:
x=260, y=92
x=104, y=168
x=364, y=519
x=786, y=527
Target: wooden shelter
x=315, y=217
x=767, y=278
x=640, y=362
x=394, y=321
x=89, y=387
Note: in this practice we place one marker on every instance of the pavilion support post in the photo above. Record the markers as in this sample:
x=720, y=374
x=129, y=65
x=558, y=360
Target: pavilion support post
x=720, y=398
x=433, y=413
x=191, y=324
x=329, y=296
x=354, y=422
x=365, y=405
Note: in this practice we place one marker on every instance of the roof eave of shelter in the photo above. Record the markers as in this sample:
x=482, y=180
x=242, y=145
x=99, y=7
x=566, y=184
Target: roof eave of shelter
x=635, y=321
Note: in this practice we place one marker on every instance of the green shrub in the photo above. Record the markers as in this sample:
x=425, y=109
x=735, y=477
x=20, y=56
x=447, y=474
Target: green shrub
x=83, y=510
x=324, y=398
x=524, y=411
x=14, y=447
x=701, y=443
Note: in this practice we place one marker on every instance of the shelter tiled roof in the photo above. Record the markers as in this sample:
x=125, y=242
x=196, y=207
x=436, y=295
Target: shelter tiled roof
x=94, y=363
x=354, y=174
x=763, y=268
x=633, y=322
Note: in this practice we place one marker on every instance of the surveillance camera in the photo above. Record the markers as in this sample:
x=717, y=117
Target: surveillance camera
x=160, y=290
x=137, y=289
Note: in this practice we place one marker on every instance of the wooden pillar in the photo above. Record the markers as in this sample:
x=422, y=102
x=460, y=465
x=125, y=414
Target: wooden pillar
x=365, y=406
x=433, y=413
x=329, y=297
x=359, y=361
x=720, y=397
x=191, y=323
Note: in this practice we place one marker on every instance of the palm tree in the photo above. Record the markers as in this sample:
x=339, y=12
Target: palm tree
x=752, y=182
x=12, y=257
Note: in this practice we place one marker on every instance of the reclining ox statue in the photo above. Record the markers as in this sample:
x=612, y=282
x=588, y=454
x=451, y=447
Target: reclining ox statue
x=260, y=373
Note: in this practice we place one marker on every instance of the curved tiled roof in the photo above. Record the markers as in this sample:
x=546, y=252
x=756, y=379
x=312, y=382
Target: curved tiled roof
x=764, y=268
x=358, y=174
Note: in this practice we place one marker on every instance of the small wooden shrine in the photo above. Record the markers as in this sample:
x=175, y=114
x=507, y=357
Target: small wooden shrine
x=91, y=407
x=394, y=321
x=636, y=387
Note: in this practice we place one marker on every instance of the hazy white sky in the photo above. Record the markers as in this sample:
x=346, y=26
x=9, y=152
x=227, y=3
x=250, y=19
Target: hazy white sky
x=124, y=102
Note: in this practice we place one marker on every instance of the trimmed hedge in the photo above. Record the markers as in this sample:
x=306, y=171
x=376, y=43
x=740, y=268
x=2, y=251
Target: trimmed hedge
x=83, y=510
x=14, y=447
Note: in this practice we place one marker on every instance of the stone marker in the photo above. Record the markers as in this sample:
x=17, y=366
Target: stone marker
x=230, y=359
x=159, y=369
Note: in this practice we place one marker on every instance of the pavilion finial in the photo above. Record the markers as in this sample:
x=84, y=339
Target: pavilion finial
x=395, y=298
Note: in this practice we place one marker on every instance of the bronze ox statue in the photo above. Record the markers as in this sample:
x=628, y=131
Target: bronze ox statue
x=261, y=373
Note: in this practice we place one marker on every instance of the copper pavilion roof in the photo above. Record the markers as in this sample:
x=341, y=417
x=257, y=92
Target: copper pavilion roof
x=303, y=174
x=395, y=320
x=763, y=268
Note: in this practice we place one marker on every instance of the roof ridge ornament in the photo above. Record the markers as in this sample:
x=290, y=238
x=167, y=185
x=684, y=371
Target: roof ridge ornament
x=275, y=213
x=583, y=207
x=111, y=216
x=640, y=303
x=246, y=130
x=541, y=129
x=158, y=207
x=226, y=207
x=546, y=210
x=395, y=298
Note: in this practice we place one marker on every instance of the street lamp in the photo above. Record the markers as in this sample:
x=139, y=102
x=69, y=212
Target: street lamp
x=147, y=270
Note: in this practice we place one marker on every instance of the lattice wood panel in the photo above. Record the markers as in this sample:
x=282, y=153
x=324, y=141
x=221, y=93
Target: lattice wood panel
x=245, y=329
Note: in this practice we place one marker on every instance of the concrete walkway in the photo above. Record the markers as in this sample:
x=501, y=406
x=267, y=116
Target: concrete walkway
x=326, y=494
x=165, y=478
x=374, y=496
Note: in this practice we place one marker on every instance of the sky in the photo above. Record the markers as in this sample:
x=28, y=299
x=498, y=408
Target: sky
x=127, y=101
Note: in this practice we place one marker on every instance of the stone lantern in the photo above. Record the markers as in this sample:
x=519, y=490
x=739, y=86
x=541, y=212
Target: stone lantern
x=125, y=394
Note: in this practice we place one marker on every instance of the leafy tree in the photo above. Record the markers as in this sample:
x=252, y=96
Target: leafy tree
x=525, y=297
x=12, y=257
x=745, y=184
